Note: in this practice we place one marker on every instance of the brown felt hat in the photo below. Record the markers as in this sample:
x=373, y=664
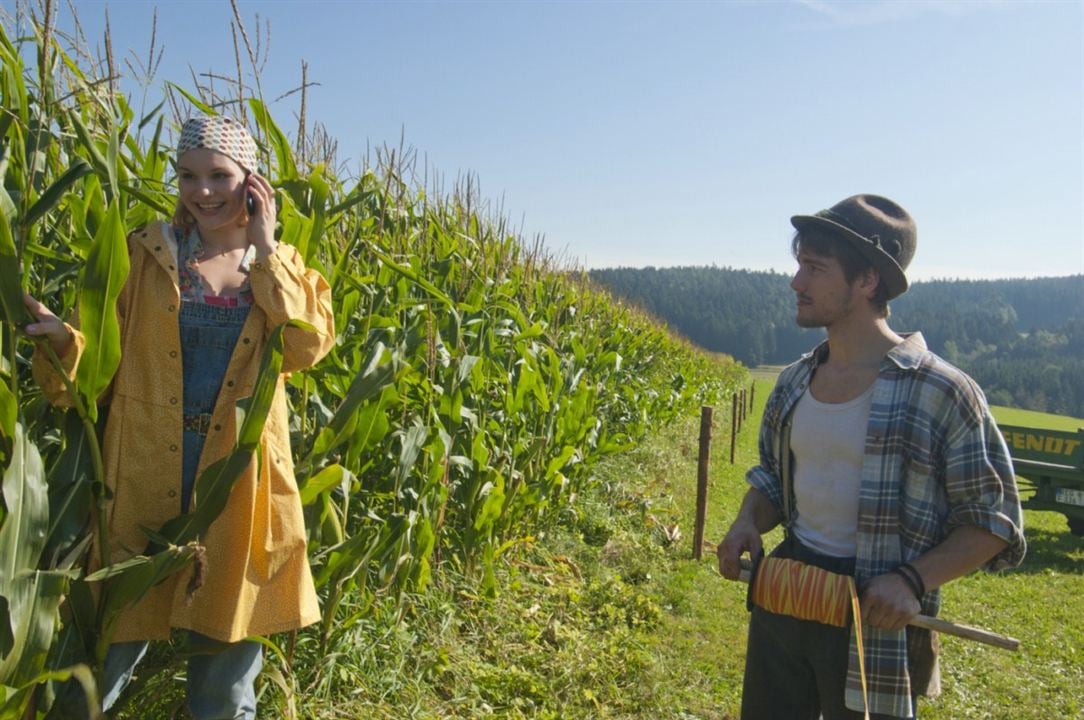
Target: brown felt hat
x=875, y=226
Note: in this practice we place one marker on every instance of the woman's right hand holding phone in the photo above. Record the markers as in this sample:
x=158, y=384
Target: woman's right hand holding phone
x=48, y=326
x=260, y=196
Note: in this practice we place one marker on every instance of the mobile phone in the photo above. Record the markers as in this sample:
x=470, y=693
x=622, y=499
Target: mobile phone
x=250, y=203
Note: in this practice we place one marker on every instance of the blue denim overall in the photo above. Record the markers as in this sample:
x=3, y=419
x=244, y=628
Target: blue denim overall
x=220, y=684
x=208, y=336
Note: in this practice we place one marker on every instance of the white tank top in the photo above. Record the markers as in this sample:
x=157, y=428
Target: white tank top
x=828, y=441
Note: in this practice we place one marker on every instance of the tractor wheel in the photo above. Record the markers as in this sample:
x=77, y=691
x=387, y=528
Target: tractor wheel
x=1076, y=526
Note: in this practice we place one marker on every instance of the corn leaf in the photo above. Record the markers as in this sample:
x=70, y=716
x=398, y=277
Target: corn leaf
x=28, y=593
x=328, y=478
x=55, y=192
x=35, y=625
x=26, y=499
x=103, y=278
x=16, y=703
x=89, y=144
x=196, y=102
x=112, y=163
x=491, y=507
x=69, y=480
x=11, y=293
x=280, y=144
x=413, y=440
x=127, y=582
x=9, y=411
x=147, y=199
x=376, y=374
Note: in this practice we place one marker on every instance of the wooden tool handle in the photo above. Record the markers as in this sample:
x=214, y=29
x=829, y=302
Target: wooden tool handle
x=965, y=631
x=931, y=623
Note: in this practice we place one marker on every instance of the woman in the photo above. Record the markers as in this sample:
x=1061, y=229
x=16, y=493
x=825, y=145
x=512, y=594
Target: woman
x=202, y=295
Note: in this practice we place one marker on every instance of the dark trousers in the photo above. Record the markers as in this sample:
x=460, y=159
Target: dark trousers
x=797, y=669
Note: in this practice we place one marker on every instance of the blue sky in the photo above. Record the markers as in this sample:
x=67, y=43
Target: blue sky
x=681, y=133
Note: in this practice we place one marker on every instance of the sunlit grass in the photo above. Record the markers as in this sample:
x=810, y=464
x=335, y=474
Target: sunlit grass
x=1035, y=419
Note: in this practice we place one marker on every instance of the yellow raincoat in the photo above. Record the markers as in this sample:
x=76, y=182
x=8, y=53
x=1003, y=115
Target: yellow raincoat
x=257, y=579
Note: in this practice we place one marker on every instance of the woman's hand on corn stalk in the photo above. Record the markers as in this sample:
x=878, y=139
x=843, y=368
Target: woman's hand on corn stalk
x=48, y=326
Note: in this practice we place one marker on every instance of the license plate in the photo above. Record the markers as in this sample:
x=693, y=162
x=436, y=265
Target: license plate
x=1069, y=496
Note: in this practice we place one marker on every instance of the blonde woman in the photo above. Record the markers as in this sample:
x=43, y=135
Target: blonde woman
x=203, y=293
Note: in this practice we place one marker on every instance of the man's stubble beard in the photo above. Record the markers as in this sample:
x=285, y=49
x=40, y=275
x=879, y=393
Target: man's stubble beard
x=820, y=321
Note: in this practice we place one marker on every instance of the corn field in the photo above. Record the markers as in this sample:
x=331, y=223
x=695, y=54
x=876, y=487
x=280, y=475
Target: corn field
x=473, y=385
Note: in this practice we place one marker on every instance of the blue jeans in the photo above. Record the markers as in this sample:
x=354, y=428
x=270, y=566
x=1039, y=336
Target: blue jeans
x=221, y=685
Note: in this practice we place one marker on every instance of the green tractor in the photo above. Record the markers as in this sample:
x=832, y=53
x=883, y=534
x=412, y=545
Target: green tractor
x=1051, y=463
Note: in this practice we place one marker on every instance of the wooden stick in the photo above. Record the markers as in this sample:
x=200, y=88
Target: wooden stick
x=702, y=481
x=931, y=623
x=966, y=631
x=733, y=425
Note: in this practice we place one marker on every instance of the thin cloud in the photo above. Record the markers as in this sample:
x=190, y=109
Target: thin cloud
x=879, y=12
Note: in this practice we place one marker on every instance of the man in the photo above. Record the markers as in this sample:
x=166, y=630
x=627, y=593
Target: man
x=881, y=461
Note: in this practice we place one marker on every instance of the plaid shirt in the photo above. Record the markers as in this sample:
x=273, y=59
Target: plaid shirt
x=934, y=460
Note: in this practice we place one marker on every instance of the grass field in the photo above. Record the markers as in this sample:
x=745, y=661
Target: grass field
x=1031, y=418
x=766, y=372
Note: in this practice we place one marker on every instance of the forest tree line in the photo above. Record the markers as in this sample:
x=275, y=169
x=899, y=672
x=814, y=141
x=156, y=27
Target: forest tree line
x=1022, y=340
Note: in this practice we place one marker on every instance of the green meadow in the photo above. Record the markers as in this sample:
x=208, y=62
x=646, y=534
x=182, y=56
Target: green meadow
x=1031, y=418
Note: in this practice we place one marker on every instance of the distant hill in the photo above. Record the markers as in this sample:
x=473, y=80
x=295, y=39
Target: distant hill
x=1023, y=340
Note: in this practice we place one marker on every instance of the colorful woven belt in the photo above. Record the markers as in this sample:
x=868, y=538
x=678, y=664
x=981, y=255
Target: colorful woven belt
x=200, y=423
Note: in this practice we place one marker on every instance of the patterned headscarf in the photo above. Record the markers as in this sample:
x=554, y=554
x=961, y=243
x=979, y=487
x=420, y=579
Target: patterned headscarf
x=222, y=134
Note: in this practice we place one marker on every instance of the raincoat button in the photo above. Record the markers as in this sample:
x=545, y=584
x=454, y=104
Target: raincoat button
x=229, y=383
x=246, y=341
x=173, y=401
x=171, y=308
x=173, y=493
x=173, y=448
x=218, y=428
x=173, y=353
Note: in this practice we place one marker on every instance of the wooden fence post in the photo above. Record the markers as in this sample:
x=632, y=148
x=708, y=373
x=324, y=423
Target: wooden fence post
x=733, y=425
x=752, y=393
x=702, y=481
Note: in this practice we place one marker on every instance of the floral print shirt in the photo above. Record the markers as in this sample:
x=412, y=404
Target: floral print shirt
x=189, y=253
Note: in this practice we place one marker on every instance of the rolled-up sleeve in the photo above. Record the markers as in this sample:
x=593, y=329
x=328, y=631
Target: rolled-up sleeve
x=980, y=483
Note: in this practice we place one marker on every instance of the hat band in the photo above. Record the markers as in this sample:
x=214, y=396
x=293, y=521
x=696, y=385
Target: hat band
x=891, y=246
